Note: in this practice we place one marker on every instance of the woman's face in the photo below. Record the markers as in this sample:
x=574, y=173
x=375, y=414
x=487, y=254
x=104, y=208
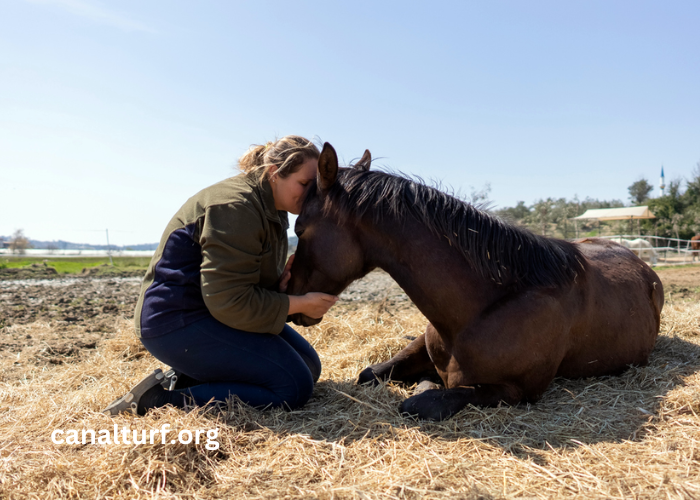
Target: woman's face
x=289, y=192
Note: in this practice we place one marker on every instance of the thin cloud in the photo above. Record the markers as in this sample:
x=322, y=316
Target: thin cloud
x=97, y=14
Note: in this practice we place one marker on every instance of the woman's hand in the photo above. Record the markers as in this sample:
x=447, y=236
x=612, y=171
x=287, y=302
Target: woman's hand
x=313, y=304
x=286, y=275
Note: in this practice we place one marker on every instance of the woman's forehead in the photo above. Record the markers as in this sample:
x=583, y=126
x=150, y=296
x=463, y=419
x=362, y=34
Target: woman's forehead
x=309, y=169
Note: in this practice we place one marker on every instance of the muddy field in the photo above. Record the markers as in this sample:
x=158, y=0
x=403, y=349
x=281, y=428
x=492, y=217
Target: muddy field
x=41, y=295
x=80, y=311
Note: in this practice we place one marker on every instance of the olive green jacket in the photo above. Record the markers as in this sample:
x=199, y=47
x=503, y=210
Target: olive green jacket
x=221, y=254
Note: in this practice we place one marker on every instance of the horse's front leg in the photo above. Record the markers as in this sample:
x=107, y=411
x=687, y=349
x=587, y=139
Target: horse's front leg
x=439, y=404
x=410, y=365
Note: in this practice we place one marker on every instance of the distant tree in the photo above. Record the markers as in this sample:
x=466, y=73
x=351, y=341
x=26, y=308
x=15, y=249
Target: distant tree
x=480, y=198
x=639, y=191
x=19, y=243
x=553, y=217
x=563, y=211
x=543, y=214
x=692, y=191
x=52, y=247
x=676, y=221
x=676, y=215
x=516, y=213
x=692, y=200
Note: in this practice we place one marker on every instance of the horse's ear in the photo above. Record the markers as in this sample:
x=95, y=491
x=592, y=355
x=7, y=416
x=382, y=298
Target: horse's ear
x=364, y=162
x=327, y=167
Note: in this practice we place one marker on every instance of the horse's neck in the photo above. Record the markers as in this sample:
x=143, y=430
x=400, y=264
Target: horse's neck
x=433, y=274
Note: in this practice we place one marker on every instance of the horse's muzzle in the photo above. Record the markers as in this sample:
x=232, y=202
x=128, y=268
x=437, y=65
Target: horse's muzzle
x=303, y=320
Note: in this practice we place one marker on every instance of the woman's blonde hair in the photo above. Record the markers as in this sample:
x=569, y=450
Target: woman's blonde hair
x=287, y=154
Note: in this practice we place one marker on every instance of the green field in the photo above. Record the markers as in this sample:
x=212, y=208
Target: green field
x=72, y=265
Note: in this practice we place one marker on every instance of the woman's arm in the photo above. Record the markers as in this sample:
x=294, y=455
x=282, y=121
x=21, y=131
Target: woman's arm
x=286, y=275
x=313, y=304
x=231, y=239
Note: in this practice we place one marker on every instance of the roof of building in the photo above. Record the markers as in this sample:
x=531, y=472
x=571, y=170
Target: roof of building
x=621, y=213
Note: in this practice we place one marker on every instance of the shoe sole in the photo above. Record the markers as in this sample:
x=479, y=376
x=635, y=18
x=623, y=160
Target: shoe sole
x=130, y=401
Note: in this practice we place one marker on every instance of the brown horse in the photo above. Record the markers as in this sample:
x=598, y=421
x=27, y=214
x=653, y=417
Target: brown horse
x=508, y=310
x=695, y=246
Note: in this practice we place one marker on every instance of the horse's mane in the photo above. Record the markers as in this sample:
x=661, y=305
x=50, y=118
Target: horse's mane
x=499, y=251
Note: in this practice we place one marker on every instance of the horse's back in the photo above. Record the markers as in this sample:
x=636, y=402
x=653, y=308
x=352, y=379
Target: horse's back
x=615, y=268
x=616, y=262
x=619, y=317
x=695, y=242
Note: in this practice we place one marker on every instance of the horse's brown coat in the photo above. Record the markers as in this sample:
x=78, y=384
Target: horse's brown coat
x=491, y=337
x=695, y=246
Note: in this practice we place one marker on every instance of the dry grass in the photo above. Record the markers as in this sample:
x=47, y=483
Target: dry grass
x=633, y=436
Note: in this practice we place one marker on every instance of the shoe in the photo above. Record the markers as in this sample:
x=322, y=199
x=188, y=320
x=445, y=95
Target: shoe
x=175, y=379
x=130, y=401
x=170, y=378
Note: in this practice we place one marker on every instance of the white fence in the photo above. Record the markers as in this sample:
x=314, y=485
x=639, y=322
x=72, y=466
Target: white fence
x=668, y=250
x=39, y=252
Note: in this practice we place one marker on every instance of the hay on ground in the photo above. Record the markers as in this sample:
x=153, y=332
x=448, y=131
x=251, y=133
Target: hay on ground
x=632, y=436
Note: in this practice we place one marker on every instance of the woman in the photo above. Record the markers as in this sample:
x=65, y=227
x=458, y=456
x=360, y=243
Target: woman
x=212, y=303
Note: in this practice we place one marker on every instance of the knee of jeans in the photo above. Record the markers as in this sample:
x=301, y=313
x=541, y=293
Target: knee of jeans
x=314, y=366
x=304, y=389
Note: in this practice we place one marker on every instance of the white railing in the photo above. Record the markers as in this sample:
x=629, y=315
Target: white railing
x=38, y=252
x=668, y=250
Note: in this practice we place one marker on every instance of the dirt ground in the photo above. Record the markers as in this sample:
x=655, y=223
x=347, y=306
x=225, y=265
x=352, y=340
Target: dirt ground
x=80, y=311
x=680, y=282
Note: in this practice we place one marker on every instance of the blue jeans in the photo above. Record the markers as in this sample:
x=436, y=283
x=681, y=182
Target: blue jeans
x=262, y=369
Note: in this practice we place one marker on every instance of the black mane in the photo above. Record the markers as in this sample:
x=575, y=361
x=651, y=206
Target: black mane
x=499, y=251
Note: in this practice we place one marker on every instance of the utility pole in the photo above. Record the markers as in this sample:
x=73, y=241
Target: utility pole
x=109, y=252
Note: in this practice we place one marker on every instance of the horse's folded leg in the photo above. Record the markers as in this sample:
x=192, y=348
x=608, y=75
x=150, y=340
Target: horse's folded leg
x=409, y=365
x=440, y=404
x=398, y=371
x=369, y=375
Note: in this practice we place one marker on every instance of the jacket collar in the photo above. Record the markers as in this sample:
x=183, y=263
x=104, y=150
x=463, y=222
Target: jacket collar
x=263, y=187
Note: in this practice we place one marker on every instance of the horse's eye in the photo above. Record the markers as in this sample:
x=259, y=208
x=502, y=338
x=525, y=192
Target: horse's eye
x=299, y=232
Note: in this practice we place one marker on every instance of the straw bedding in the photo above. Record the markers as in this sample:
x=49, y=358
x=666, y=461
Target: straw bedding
x=632, y=436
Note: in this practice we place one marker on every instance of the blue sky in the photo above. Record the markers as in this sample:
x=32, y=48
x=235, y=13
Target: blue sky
x=113, y=113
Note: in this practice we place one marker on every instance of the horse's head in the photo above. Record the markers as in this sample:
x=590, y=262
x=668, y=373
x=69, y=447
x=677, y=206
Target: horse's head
x=329, y=255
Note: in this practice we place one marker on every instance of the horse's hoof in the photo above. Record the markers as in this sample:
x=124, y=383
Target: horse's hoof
x=368, y=376
x=433, y=404
x=424, y=406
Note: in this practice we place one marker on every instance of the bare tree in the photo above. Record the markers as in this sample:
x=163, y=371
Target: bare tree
x=19, y=243
x=480, y=198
